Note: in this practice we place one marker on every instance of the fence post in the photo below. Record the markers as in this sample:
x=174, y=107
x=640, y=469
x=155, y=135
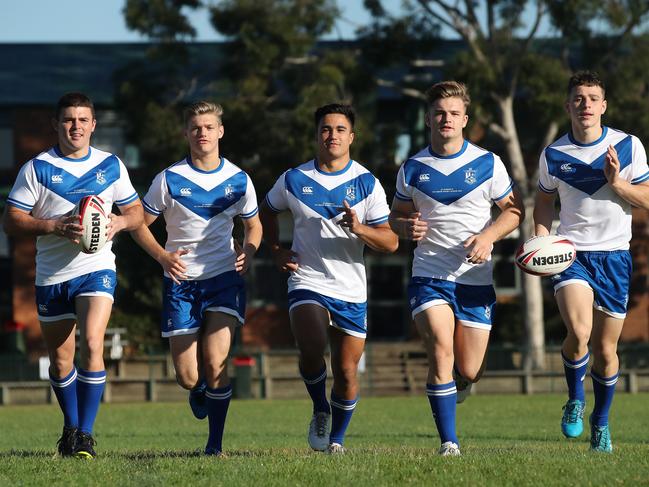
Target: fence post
x=108, y=392
x=631, y=382
x=526, y=383
x=150, y=390
x=264, y=378
x=369, y=364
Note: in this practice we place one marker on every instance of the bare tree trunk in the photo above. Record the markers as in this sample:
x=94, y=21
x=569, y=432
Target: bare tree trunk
x=532, y=291
x=533, y=304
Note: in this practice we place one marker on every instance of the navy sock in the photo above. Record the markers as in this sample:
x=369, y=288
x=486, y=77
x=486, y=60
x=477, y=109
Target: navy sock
x=442, y=399
x=65, y=390
x=218, y=401
x=341, y=414
x=604, y=389
x=575, y=371
x=316, y=386
x=90, y=387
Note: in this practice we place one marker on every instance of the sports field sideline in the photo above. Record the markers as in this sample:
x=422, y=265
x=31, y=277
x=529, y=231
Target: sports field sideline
x=506, y=440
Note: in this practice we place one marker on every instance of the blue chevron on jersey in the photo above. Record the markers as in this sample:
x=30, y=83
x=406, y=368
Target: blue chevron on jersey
x=454, y=195
x=327, y=202
x=199, y=208
x=588, y=178
x=73, y=188
x=448, y=188
x=330, y=256
x=49, y=186
x=202, y=202
x=592, y=216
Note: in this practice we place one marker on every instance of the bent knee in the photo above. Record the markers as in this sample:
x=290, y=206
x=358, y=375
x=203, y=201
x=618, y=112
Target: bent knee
x=472, y=374
x=187, y=379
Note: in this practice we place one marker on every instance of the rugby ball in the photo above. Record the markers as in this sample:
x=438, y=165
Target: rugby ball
x=545, y=256
x=93, y=216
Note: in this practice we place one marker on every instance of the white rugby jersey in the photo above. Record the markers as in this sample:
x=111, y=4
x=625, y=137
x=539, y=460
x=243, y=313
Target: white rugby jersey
x=592, y=215
x=49, y=186
x=199, y=207
x=330, y=257
x=454, y=195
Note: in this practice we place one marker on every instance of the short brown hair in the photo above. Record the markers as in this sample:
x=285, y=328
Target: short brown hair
x=448, y=89
x=585, y=78
x=74, y=99
x=202, y=108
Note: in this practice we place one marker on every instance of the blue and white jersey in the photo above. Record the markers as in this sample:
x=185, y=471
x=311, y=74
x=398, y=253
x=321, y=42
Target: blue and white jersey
x=592, y=215
x=330, y=257
x=49, y=186
x=454, y=195
x=199, y=208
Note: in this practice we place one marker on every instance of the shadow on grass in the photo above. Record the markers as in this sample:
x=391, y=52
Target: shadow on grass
x=136, y=456
x=27, y=454
x=156, y=455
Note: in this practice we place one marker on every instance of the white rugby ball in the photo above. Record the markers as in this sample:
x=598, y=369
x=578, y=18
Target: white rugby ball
x=545, y=256
x=93, y=216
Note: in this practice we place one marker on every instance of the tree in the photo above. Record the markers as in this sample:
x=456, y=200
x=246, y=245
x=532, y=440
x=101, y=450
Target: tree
x=510, y=72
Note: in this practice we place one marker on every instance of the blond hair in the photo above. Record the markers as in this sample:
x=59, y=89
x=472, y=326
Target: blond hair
x=202, y=108
x=448, y=89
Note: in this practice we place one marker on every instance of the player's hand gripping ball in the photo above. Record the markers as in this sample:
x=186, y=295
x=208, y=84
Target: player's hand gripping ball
x=545, y=256
x=94, y=218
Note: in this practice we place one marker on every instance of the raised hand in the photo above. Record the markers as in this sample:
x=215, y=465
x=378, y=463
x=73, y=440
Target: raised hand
x=611, y=166
x=349, y=219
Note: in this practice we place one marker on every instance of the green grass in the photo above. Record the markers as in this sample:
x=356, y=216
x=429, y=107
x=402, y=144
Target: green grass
x=506, y=440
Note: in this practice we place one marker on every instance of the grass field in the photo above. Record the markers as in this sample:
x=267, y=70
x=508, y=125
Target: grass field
x=506, y=440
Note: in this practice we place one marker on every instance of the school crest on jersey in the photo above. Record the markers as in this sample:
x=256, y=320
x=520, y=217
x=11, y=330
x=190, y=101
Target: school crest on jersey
x=229, y=191
x=100, y=175
x=470, y=176
x=350, y=193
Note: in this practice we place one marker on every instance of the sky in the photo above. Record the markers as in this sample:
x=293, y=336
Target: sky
x=102, y=21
